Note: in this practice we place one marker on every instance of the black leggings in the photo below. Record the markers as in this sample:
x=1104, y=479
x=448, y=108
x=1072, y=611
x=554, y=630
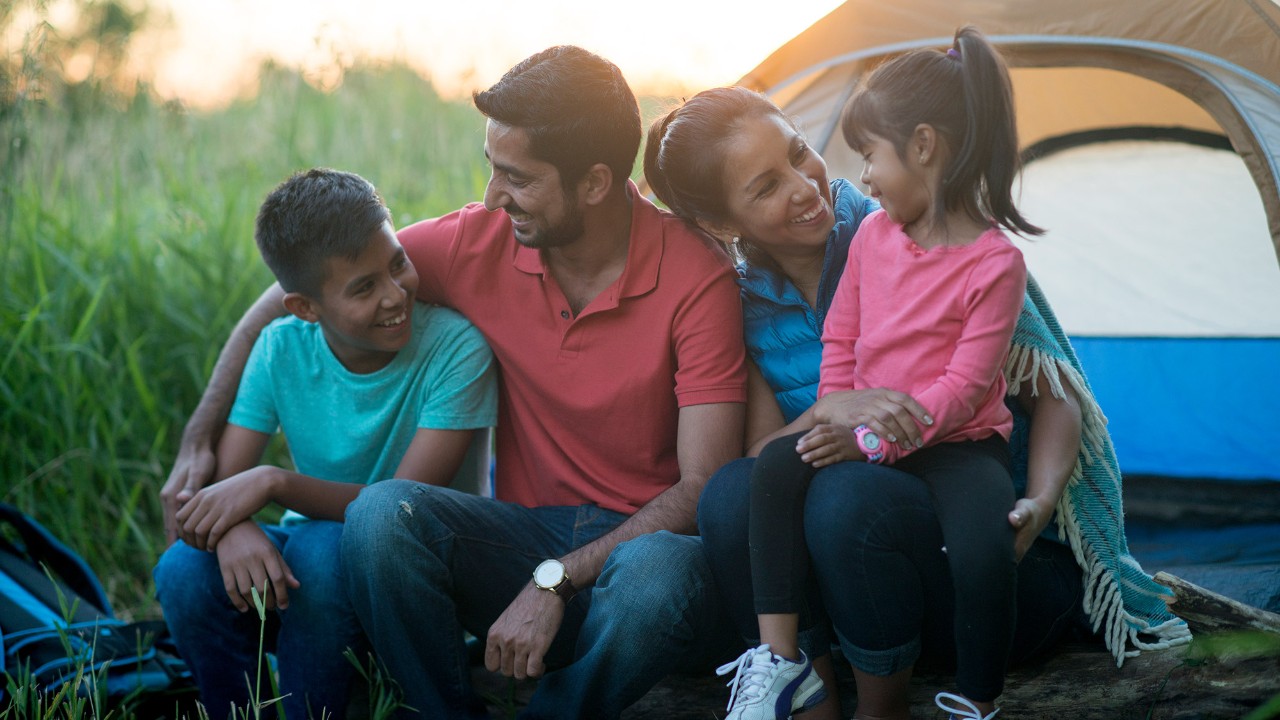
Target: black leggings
x=972, y=494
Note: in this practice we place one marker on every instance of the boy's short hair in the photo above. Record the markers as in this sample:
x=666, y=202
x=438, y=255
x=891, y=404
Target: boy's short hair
x=576, y=107
x=315, y=215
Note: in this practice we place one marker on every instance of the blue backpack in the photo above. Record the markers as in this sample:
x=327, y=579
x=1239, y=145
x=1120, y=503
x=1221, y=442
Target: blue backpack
x=56, y=621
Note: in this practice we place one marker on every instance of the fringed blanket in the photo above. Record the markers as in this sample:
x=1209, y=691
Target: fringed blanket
x=1118, y=595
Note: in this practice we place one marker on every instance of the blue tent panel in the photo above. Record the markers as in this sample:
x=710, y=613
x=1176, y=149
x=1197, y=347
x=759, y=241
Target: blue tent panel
x=1189, y=407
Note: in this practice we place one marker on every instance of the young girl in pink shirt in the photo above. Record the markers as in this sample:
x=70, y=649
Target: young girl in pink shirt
x=926, y=306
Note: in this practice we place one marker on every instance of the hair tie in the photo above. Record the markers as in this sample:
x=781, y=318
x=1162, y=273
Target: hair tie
x=953, y=54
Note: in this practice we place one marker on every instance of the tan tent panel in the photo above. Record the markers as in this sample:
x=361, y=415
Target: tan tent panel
x=1078, y=65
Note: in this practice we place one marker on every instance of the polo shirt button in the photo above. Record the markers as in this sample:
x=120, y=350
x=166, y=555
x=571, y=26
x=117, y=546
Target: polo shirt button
x=564, y=314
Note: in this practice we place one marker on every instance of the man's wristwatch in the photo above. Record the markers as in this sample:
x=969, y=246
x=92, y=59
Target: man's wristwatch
x=869, y=443
x=551, y=576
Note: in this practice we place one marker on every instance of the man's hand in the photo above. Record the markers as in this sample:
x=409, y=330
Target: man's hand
x=520, y=637
x=827, y=445
x=248, y=560
x=1029, y=518
x=205, y=518
x=893, y=415
x=192, y=470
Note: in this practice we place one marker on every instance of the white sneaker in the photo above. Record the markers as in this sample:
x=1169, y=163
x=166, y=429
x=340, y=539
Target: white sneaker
x=770, y=687
x=962, y=708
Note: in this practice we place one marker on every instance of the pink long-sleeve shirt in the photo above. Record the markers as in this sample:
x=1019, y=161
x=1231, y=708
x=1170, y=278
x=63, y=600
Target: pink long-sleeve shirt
x=935, y=324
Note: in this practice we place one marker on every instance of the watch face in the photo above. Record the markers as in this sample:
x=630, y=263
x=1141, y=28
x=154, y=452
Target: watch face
x=548, y=574
x=871, y=441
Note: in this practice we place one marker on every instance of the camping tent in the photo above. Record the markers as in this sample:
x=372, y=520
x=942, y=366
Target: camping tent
x=1151, y=130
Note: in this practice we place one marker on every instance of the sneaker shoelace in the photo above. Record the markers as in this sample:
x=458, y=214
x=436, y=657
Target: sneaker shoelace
x=962, y=709
x=753, y=669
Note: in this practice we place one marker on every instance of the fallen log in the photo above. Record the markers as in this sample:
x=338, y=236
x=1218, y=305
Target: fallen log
x=1208, y=612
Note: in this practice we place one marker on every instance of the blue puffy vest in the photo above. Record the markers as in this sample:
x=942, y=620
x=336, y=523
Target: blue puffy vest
x=783, y=333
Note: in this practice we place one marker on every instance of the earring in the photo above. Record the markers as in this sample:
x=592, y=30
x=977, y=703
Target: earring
x=735, y=240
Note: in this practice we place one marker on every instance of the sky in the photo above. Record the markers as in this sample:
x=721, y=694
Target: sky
x=209, y=51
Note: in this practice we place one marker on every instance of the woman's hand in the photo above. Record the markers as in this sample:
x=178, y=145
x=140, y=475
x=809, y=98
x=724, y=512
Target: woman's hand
x=827, y=445
x=893, y=415
x=207, y=516
x=1029, y=518
x=249, y=561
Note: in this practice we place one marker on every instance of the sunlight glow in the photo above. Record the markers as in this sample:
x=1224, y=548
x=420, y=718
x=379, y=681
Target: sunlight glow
x=211, y=49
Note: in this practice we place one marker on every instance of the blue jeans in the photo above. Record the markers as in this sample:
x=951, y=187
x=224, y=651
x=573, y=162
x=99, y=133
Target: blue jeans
x=220, y=644
x=875, y=550
x=426, y=563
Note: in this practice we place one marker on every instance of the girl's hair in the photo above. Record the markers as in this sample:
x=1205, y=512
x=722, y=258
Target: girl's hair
x=966, y=96
x=684, y=156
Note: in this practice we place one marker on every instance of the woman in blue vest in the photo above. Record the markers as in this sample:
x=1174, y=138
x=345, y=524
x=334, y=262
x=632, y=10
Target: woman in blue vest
x=729, y=161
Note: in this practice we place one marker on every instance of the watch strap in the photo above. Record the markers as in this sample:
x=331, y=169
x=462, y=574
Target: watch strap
x=565, y=589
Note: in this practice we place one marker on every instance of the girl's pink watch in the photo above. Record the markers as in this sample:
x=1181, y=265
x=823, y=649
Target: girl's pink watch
x=869, y=443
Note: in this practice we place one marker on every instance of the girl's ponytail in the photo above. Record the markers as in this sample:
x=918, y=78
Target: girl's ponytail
x=986, y=161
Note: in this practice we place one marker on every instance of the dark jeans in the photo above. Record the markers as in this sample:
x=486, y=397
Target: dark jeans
x=424, y=563
x=876, y=551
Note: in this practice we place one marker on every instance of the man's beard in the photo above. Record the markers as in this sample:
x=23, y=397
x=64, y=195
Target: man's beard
x=564, y=233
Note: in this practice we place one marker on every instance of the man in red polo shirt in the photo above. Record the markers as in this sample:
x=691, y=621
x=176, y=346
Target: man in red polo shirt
x=617, y=329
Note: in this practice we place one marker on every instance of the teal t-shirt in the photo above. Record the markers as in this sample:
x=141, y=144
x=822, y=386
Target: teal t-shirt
x=352, y=427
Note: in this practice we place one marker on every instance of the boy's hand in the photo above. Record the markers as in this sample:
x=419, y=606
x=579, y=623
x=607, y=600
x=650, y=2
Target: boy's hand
x=827, y=445
x=248, y=560
x=205, y=518
x=192, y=470
x=893, y=415
x=519, y=639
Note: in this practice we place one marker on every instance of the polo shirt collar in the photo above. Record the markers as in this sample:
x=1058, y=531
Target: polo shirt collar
x=644, y=252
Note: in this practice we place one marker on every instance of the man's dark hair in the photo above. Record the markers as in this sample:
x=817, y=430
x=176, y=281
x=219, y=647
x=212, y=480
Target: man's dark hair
x=576, y=107
x=313, y=216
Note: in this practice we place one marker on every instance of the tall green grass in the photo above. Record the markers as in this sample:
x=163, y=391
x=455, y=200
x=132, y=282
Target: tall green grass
x=127, y=256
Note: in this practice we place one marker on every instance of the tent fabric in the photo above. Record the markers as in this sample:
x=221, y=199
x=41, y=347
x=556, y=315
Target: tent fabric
x=1176, y=332
x=1161, y=256
x=1170, y=281
x=1241, y=562
x=1216, y=427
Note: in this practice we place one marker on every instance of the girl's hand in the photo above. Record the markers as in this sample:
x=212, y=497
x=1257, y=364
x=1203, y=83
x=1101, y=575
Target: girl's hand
x=207, y=516
x=828, y=444
x=893, y=415
x=1029, y=518
x=248, y=560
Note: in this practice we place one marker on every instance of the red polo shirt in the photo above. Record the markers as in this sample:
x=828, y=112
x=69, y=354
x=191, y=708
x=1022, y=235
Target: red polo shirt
x=588, y=405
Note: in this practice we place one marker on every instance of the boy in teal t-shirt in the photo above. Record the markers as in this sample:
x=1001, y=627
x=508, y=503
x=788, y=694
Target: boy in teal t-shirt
x=365, y=384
